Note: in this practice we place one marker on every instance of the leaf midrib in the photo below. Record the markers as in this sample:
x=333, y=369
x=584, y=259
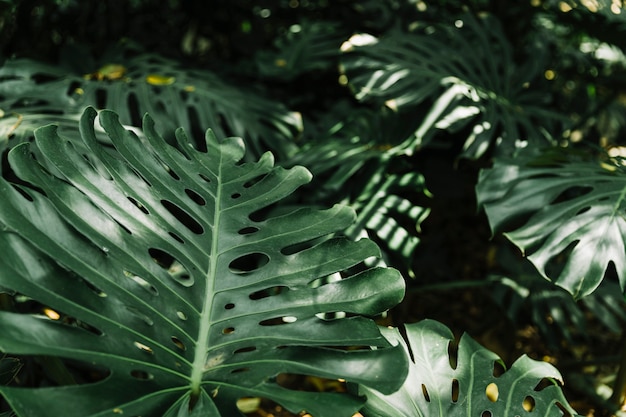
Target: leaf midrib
x=201, y=347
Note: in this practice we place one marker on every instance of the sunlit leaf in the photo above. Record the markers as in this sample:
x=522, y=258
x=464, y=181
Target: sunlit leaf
x=564, y=211
x=465, y=74
x=450, y=381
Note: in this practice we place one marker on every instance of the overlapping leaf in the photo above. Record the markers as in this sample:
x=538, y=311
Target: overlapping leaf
x=146, y=83
x=464, y=73
x=462, y=384
x=566, y=213
x=358, y=167
x=177, y=284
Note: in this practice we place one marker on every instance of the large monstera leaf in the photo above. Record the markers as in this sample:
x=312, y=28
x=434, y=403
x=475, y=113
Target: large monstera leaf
x=442, y=382
x=564, y=211
x=464, y=73
x=176, y=281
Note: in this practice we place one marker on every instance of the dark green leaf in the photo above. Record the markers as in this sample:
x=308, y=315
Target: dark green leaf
x=178, y=285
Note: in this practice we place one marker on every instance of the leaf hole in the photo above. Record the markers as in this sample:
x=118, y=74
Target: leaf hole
x=248, y=263
x=229, y=306
x=245, y=349
x=137, y=204
x=178, y=343
x=176, y=237
x=529, y=404
x=543, y=384
x=329, y=279
x=254, y=181
x=89, y=328
x=94, y=289
x=248, y=230
x=142, y=283
x=331, y=315
x=268, y=292
x=278, y=321
x=453, y=352
x=583, y=210
x=228, y=330
x=204, y=178
x=143, y=348
x=425, y=393
x=162, y=258
x=492, y=392
x=563, y=410
x=455, y=390
x=170, y=171
x=141, y=375
x=184, y=217
x=239, y=370
x=124, y=228
x=486, y=413
x=195, y=197
x=498, y=369
x=235, y=196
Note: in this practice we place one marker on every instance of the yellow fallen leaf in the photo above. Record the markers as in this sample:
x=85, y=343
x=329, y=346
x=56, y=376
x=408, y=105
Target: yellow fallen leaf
x=156, y=79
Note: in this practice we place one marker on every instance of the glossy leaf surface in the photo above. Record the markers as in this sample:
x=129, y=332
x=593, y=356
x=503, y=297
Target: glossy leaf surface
x=171, y=277
x=460, y=382
x=564, y=212
x=450, y=69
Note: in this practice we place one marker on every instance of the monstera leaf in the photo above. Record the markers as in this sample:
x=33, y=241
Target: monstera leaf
x=463, y=384
x=386, y=212
x=565, y=212
x=306, y=47
x=170, y=276
x=147, y=83
x=464, y=73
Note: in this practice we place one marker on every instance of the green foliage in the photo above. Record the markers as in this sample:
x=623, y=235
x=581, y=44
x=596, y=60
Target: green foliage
x=144, y=83
x=566, y=212
x=459, y=381
x=449, y=69
x=178, y=285
x=519, y=288
x=172, y=290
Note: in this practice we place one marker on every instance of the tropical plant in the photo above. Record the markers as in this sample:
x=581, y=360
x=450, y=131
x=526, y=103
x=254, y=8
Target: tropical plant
x=465, y=380
x=448, y=70
x=565, y=212
x=135, y=83
x=170, y=277
x=115, y=273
